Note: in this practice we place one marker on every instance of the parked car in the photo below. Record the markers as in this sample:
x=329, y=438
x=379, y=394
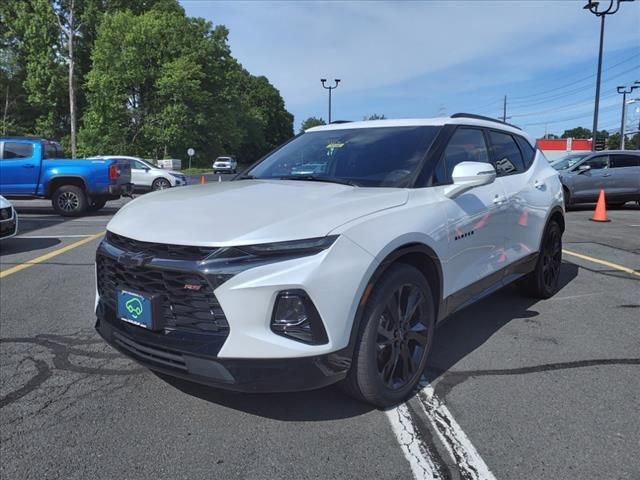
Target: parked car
x=617, y=172
x=8, y=219
x=33, y=168
x=343, y=276
x=225, y=165
x=146, y=177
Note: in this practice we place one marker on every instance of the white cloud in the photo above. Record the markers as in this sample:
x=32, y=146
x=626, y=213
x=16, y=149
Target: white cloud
x=375, y=44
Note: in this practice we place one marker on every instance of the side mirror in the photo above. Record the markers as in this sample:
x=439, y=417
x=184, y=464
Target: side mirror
x=584, y=168
x=146, y=169
x=468, y=175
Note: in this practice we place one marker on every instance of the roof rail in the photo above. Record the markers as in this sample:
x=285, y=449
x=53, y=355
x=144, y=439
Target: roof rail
x=482, y=117
x=335, y=122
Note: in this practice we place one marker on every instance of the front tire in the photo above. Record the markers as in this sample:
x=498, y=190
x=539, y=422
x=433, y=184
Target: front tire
x=543, y=281
x=69, y=201
x=394, y=339
x=160, y=184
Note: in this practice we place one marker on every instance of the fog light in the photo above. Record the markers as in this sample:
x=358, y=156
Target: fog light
x=295, y=316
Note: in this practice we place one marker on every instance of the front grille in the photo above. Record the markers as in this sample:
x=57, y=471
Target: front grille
x=162, y=250
x=196, y=310
x=5, y=213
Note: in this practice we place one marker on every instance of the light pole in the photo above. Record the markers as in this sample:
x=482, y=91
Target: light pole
x=323, y=81
x=624, y=91
x=592, y=6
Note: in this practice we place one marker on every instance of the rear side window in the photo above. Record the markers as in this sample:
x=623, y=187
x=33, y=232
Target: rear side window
x=507, y=157
x=50, y=151
x=13, y=150
x=528, y=152
x=466, y=145
x=621, y=161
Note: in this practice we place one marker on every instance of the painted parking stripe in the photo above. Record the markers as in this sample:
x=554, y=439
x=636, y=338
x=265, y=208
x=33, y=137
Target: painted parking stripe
x=419, y=460
x=53, y=236
x=424, y=460
x=615, y=266
x=44, y=258
x=468, y=460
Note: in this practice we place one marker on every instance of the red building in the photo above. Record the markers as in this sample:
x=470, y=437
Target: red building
x=557, y=148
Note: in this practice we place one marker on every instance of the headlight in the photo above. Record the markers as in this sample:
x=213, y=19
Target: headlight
x=177, y=175
x=308, y=246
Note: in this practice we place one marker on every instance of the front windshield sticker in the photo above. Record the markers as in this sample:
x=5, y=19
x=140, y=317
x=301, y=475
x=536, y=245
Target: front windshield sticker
x=335, y=145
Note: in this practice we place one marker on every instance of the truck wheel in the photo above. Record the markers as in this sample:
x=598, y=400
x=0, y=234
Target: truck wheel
x=69, y=201
x=97, y=204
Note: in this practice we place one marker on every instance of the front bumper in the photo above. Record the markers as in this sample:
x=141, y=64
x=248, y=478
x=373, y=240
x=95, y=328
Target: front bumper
x=9, y=227
x=193, y=359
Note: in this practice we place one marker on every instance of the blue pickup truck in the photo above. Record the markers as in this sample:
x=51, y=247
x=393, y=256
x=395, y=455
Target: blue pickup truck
x=32, y=168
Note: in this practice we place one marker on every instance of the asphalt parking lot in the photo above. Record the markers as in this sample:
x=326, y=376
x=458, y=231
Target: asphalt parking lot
x=516, y=389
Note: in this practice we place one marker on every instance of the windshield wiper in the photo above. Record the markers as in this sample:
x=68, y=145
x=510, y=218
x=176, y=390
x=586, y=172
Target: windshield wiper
x=312, y=178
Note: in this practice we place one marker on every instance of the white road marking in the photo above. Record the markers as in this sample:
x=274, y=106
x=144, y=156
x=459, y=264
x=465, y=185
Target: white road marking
x=421, y=464
x=52, y=236
x=467, y=458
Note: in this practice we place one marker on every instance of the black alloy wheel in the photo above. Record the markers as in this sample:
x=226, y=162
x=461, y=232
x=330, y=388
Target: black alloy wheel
x=544, y=280
x=394, y=338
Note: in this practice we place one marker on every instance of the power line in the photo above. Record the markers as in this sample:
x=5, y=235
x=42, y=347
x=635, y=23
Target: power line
x=578, y=117
x=562, y=107
x=589, y=77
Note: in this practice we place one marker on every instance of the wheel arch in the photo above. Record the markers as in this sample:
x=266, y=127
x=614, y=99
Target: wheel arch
x=416, y=254
x=61, y=180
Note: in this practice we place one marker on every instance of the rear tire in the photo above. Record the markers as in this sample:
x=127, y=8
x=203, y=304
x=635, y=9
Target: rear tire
x=543, y=281
x=394, y=339
x=69, y=201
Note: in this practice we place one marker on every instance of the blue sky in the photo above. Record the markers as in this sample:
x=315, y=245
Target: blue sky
x=421, y=59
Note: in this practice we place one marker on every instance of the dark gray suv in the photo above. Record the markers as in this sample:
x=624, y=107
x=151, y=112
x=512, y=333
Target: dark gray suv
x=617, y=172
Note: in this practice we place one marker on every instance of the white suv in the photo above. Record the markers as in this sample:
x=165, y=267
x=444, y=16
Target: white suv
x=225, y=165
x=341, y=274
x=145, y=176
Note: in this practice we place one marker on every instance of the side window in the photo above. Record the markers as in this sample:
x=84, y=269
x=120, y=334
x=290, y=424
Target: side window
x=598, y=163
x=466, y=145
x=621, y=161
x=528, y=152
x=50, y=151
x=506, y=154
x=13, y=150
x=138, y=165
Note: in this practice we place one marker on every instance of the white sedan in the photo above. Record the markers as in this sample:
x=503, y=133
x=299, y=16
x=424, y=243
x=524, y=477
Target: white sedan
x=146, y=176
x=8, y=219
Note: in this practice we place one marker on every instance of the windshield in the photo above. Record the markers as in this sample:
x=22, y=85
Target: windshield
x=367, y=157
x=568, y=161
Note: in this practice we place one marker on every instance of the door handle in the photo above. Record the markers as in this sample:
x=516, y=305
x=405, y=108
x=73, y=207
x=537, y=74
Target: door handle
x=538, y=184
x=606, y=174
x=498, y=199
x=28, y=165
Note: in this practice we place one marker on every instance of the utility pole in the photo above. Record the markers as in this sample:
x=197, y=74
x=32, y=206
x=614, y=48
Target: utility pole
x=592, y=6
x=323, y=81
x=504, y=110
x=624, y=91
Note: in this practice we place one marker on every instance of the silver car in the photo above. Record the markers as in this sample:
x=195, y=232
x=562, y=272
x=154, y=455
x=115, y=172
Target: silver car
x=617, y=172
x=145, y=176
x=225, y=165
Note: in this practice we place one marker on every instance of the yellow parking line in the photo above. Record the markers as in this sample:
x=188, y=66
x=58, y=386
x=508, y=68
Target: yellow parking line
x=47, y=256
x=615, y=266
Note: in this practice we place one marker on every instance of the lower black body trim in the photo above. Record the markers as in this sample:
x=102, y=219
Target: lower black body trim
x=490, y=284
x=191, y=361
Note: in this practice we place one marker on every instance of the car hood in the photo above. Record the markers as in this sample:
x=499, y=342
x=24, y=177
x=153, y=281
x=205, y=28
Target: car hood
x=248, y=212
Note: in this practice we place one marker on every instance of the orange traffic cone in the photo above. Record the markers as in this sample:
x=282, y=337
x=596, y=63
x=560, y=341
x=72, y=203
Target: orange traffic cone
x=600, y=215
x=202, y=180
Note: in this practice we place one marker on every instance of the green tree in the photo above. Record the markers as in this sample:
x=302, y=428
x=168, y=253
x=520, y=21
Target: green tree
x=375, y=116
x=613, y=142
x=578, y=132
x=312, y=122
